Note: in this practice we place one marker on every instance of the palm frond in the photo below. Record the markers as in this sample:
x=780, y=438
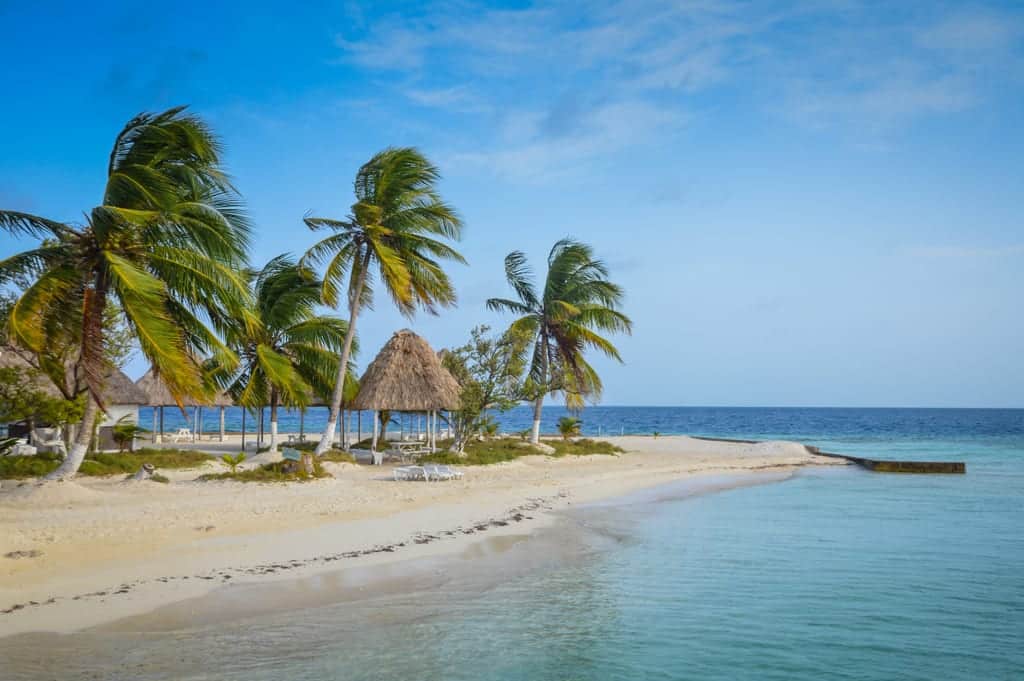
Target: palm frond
x=26, y=224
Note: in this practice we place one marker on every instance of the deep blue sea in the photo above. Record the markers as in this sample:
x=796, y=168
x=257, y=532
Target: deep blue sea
x=834, y=573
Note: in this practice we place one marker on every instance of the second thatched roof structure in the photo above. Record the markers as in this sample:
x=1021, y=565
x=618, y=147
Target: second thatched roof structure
x=157, y=394
x=117, y=388
x=407, y=375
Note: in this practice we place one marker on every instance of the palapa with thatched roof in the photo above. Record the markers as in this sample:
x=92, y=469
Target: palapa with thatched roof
x=159, y=396
x=407, y=375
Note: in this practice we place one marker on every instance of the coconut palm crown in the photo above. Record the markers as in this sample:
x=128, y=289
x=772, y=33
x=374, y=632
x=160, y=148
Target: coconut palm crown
x=289, y=356
x=164, y=246
x=577, y=302
x=395, y=237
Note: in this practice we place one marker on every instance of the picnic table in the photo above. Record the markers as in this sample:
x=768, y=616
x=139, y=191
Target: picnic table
x=408, y=448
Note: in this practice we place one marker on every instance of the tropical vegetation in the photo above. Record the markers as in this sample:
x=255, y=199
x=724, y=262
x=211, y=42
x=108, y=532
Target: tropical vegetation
x=563, y=320
x=161, y=265
x=569, y=427
x=395, y=233
x=287, y=353
x=164, y=245
x=489, y=369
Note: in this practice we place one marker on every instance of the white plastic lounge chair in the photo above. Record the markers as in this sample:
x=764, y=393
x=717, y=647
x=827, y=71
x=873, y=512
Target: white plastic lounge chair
x=437, y=471
x=409, y=473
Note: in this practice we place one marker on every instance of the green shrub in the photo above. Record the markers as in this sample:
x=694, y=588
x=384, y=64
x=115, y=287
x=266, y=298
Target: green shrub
x=16, y=467
x=507, y=449
x=99, y=464
x=337, y=456
x=271, y=472
x=482, y=453
x=156, y=477
x=583, y=447
x=569, y=426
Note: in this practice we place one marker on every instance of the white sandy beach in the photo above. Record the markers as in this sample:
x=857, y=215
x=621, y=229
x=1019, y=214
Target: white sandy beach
x=102, y=549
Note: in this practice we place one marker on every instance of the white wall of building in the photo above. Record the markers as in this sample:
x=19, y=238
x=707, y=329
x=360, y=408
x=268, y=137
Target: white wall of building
x=116, y=412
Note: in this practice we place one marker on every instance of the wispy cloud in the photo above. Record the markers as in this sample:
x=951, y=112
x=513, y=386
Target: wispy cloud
x=458, y=98
x=825, y=64
x=531, y=148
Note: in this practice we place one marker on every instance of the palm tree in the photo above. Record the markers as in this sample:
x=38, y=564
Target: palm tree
x=287, y=353
x=577, y=301
x=165, y=246
x=393, y=228
x=569, y=426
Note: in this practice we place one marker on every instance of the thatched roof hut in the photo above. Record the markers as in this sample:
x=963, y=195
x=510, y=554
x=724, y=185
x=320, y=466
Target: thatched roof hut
x=157, y=394
x=117, y=389
x=407, y=375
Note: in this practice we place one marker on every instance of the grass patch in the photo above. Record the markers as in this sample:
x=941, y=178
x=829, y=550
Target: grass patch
x=583, y=447
x=333, y=454
x=480, y=453
x=507, y=449
x=156, y=477
x=337, y=456
x=100, y=464
x=16, y=467
x=271, y=472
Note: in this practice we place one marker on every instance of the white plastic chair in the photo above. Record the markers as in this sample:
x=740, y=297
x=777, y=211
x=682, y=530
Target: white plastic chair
x=181, y=434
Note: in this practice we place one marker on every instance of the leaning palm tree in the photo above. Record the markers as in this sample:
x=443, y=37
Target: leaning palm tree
x=164, y=246
x=393, y=228
x=287, y=353
x=577, y=301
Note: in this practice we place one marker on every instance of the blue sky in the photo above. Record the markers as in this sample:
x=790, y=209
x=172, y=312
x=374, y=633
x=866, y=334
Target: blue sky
x=810, y=203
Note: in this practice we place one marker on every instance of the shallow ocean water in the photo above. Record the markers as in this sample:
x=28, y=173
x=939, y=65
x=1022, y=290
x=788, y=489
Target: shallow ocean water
x=833, y=573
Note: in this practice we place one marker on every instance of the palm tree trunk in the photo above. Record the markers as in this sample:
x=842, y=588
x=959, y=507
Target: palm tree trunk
x=327, y=439
x=90, y=358
x=538, y=406
x=273, y=420
x=73, y=460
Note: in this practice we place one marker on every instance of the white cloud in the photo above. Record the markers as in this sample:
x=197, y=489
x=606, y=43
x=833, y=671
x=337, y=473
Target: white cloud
x=831, y=64
x=528, y=152
x=456, y=98
x=971, y=31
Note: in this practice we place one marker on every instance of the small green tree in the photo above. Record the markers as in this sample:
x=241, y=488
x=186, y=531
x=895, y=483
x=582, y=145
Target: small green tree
x=22, y=398
x=124, y=433
x=489, y=370
x=233, y=460
x=569, y=426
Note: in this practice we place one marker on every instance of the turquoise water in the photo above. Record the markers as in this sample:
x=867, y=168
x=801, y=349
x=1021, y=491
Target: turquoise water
x=834, y=573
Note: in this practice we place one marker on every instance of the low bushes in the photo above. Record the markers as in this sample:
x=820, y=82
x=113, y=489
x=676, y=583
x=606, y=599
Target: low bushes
x=99, y=464
x=281, y=471
x=482, y=453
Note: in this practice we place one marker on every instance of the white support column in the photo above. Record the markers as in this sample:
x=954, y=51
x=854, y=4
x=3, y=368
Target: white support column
x=376, y=418
x=222, y=423
x=156, y=431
